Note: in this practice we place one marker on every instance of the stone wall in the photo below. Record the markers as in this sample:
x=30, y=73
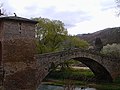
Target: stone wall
x=17, y=30
x=1, y=28
x=18, y=55
x=1, y=67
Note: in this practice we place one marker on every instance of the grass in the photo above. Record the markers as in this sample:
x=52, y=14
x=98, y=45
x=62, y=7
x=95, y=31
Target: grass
x=79, y=77
x=117, y=80
x=106, y=86
x=100, y=86
x=73, y=74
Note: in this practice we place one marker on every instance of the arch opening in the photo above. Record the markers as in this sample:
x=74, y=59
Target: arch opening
x=100, y=72
x=71, y=70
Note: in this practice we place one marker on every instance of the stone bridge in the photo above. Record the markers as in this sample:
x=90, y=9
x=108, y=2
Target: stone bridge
x=105, y=68
x=28, y=76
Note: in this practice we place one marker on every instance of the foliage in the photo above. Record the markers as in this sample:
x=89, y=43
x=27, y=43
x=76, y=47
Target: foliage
x=72, y=74
x=52, y=36
x=117, y=80
x=106, y=86
x=111, y=50
x=75, y=42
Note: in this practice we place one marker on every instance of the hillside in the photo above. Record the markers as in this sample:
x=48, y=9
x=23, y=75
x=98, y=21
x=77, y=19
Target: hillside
x=108, y=36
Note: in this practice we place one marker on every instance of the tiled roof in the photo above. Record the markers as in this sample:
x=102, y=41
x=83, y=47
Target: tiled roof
x=16, y=19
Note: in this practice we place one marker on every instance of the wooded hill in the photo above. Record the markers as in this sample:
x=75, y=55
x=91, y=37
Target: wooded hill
x=108, y=36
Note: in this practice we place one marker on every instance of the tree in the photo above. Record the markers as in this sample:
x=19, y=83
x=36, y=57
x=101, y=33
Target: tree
x=118, y=6
x=50, y=35
x=2, y=10
x=111, y=50
x=98, y=44
x=75, y=42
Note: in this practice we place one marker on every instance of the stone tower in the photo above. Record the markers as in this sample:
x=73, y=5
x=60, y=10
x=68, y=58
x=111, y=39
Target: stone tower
x=17, y=49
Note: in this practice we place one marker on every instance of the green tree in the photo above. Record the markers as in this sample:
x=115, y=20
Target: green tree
x=74, y=42
x=50, y=35
x=111, y=50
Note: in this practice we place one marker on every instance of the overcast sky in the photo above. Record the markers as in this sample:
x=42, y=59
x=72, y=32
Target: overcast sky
x=79, y=16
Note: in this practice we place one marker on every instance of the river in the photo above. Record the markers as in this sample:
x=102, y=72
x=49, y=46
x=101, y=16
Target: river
x=51, y=87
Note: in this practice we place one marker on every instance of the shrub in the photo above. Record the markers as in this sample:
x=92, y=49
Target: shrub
x=111, y=50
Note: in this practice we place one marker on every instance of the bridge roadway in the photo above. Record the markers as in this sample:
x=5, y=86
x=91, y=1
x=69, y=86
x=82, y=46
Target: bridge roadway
x=27, y=76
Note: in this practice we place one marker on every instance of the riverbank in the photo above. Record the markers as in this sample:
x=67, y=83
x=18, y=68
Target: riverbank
x=80, y=77
x=98, y=86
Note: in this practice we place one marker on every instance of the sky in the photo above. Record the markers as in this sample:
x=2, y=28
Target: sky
x=79, y=16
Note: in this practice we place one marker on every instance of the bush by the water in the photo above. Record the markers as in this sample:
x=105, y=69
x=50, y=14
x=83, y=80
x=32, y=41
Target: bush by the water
x=117, y=80
x=73, y=74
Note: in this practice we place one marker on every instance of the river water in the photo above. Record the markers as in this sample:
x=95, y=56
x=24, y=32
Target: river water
x=51, y=87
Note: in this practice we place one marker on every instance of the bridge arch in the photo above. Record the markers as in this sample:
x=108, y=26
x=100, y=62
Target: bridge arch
x=100, y=72
x=105, y=68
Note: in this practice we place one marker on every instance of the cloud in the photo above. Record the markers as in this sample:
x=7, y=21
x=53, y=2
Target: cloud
x=69, y=25
x=6, y=6
x=69, y=18
x=107, y=4
x=79, y=16
x=105, y=19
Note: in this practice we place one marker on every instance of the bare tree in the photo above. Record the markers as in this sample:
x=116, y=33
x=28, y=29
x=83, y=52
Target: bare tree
x=118, y=6
x=3, y=10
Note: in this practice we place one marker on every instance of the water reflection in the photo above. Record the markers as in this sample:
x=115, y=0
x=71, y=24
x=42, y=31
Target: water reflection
x=51, y=87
